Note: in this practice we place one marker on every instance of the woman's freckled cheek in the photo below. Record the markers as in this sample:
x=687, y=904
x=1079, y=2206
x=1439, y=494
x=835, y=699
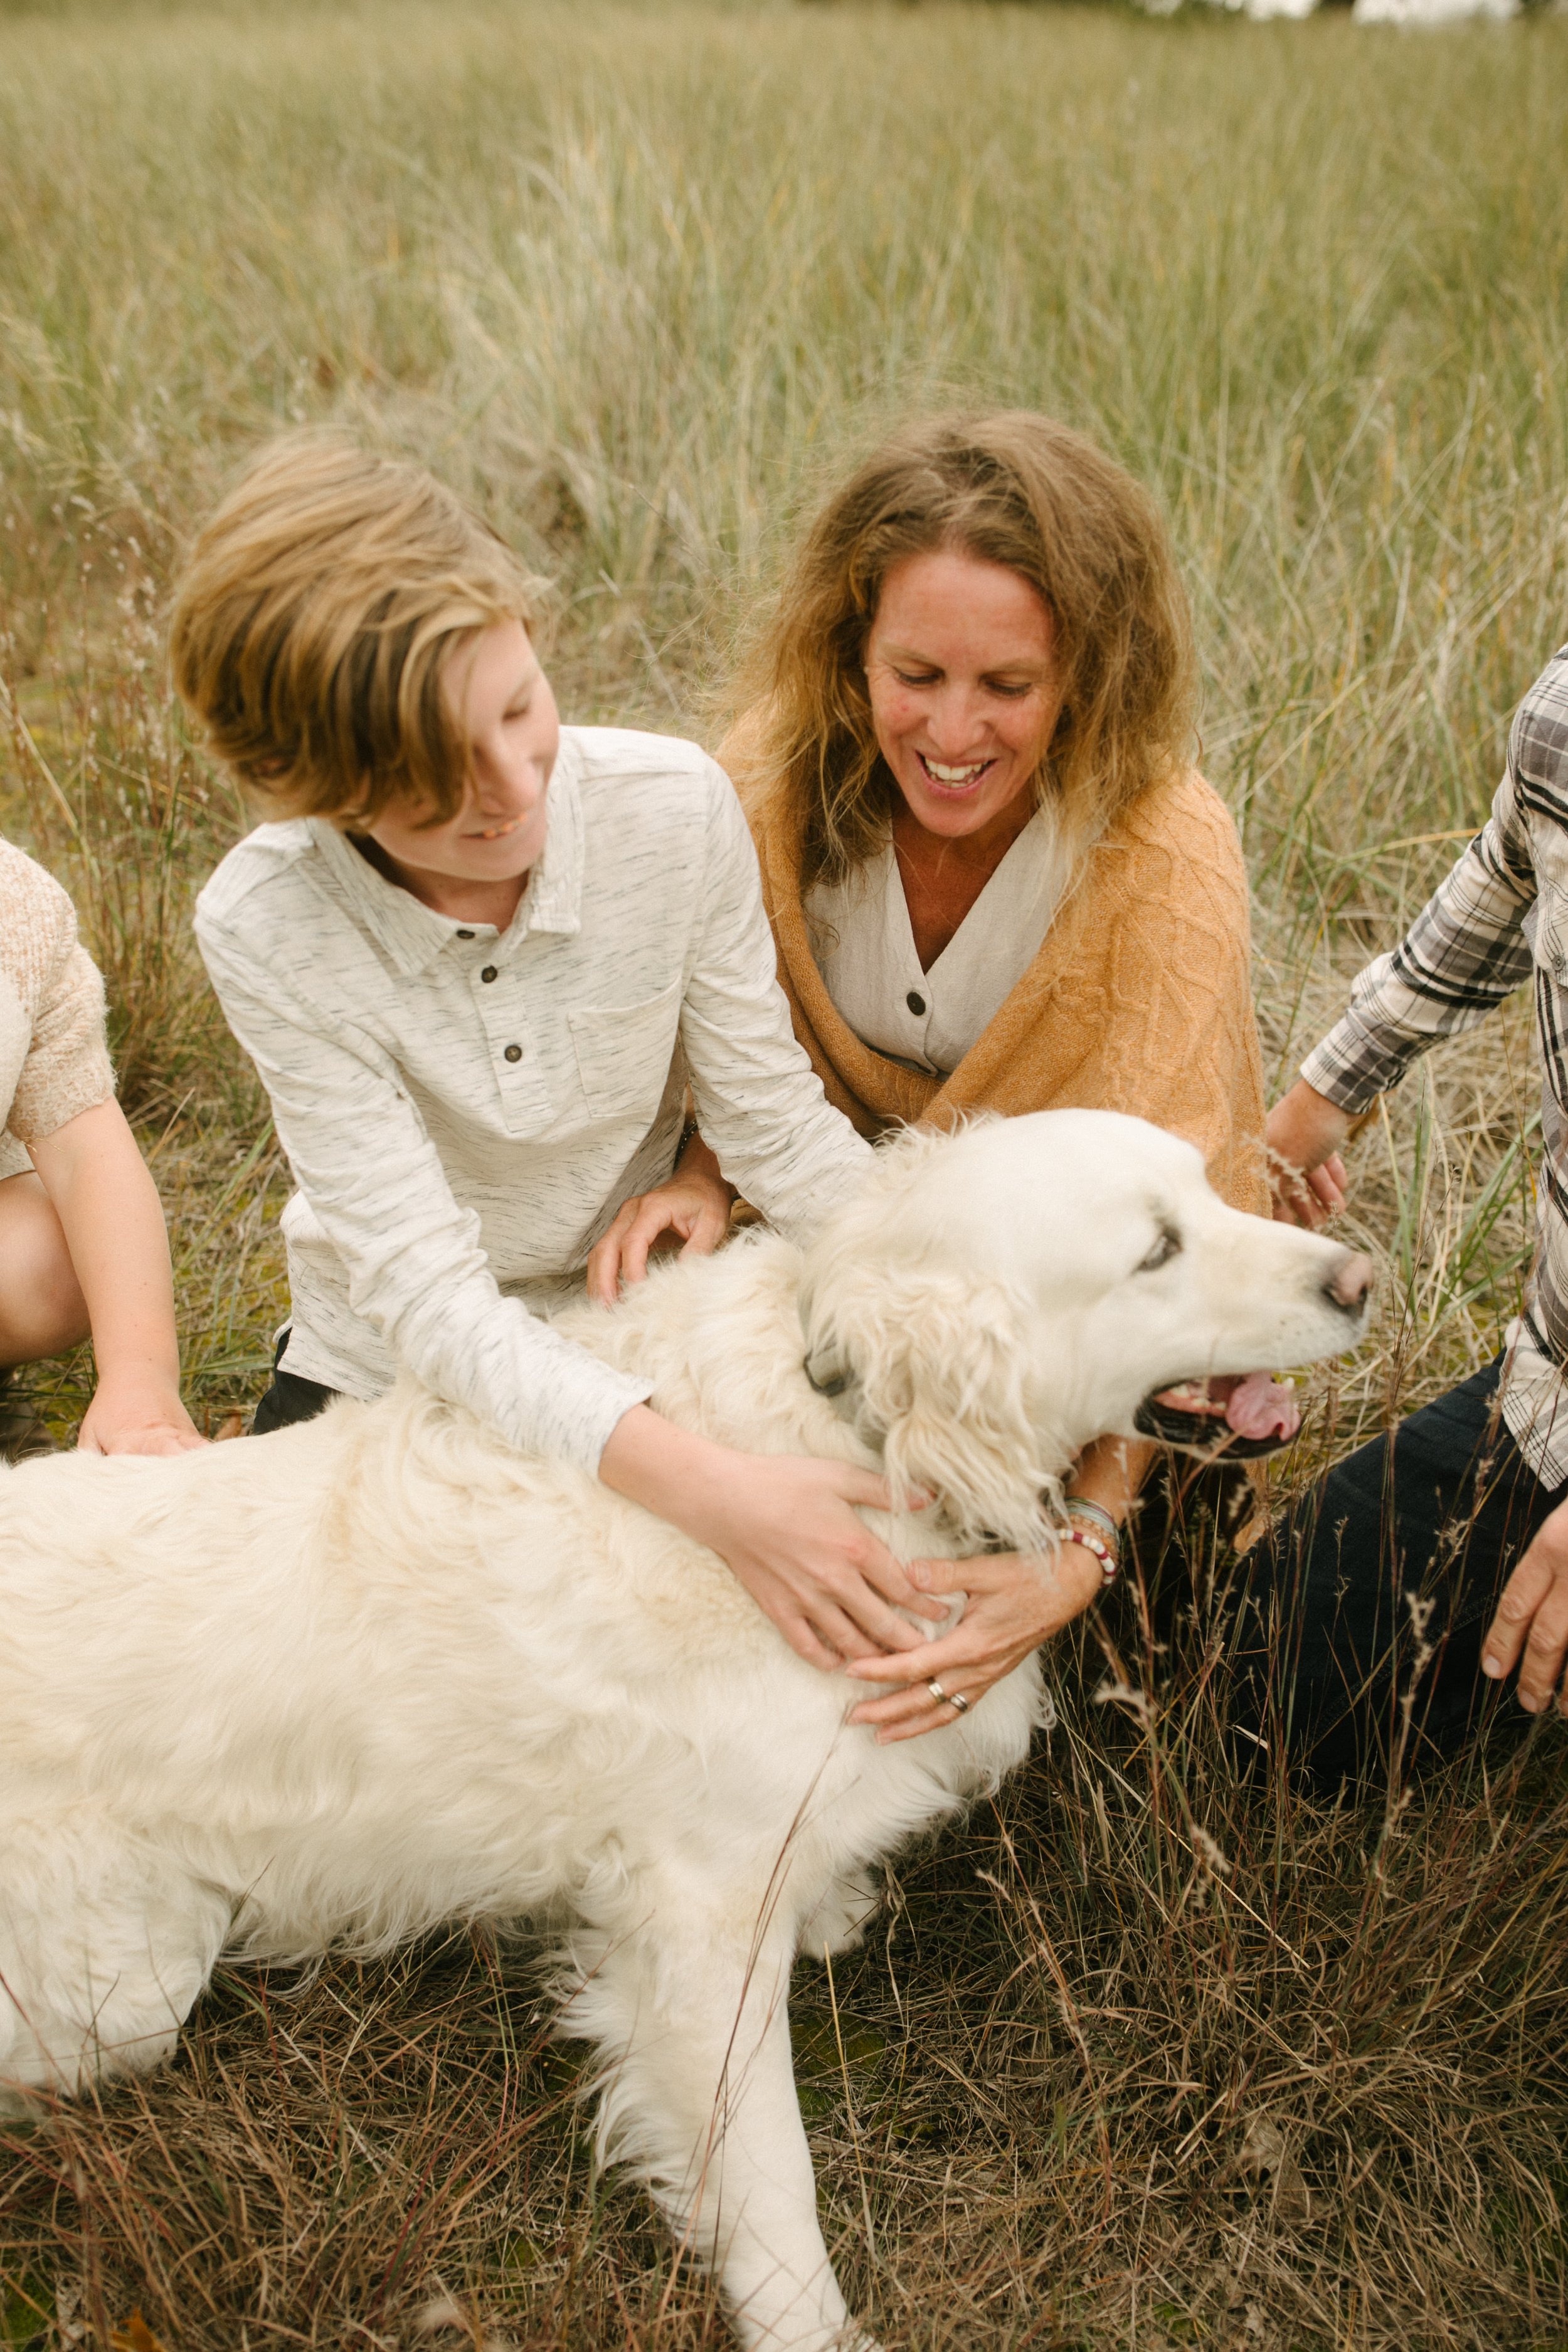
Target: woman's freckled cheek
x=896, y=715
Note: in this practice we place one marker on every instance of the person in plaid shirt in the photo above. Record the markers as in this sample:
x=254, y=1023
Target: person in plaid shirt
x=1451, y=1538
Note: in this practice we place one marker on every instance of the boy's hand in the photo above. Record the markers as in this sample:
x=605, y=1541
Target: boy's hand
x=134, y=1414
x=788, y=1528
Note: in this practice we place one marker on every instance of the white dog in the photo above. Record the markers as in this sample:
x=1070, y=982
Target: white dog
x=324, y=1689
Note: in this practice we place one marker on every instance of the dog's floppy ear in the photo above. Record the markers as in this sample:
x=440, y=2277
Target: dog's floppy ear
x=935, y=1367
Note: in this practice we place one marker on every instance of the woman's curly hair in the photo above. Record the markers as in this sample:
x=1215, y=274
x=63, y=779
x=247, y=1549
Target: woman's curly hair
x=1014, y=489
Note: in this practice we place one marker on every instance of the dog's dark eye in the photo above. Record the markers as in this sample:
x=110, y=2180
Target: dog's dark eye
x=1169, y=1243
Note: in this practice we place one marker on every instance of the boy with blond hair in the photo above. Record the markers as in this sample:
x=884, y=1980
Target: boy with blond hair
x=478, y=958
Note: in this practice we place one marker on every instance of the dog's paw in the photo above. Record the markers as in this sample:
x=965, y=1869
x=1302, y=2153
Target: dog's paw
x=837, y=1923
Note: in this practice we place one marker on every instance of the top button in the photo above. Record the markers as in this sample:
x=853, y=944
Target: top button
x=514, y=1053
x=488, y=972
x=915, y=1001
x=465, y=935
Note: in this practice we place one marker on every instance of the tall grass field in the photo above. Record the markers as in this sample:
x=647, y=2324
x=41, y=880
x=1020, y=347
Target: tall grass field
x=1140, y=2056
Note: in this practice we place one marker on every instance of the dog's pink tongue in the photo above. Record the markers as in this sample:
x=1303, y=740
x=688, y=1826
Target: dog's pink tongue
x=1260, y=1406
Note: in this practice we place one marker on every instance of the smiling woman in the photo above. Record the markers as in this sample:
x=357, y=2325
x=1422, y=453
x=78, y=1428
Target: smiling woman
x=994, y=879
x=967, y=769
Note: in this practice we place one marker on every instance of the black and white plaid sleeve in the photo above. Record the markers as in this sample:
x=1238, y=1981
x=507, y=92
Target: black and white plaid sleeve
x=1481, y=933
x=1501, y=915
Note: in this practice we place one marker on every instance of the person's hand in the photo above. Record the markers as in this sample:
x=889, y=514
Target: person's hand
x=1306, y=1175
x=790, y=1532
x=1533, y=1619
x=787, y=1526
x=111, y=1222
x=1014, y=1604
x=692, y=1204
x=138, y=1415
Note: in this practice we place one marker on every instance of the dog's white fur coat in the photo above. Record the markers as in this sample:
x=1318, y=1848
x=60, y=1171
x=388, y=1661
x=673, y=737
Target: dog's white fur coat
x=324, y=1689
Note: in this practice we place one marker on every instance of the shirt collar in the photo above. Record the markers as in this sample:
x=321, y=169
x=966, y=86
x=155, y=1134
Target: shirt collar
x=553, y=901
x=412, y=935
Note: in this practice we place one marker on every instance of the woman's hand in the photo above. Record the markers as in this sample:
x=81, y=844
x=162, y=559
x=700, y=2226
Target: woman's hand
x=695, y=1203
x=1306, y=1175
x=787, y=1527
x=1533, y=1619
x=695, y=1206
x=138, y=1413
x=1013, y=1604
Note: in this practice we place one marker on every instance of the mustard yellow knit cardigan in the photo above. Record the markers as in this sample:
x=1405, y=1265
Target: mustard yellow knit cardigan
x=1139, y=998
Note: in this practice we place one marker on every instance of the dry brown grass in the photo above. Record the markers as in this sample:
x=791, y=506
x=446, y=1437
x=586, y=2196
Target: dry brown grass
x=1142, y=2056
x=1135, y=2058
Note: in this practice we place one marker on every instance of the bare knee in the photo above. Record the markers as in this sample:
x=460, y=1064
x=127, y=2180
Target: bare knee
x=42, y=1311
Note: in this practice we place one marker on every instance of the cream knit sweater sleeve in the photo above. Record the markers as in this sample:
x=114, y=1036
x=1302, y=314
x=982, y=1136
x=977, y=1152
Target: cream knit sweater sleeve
x=54, y=1058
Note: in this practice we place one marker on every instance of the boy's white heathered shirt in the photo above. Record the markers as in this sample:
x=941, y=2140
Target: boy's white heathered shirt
x=465, y=1110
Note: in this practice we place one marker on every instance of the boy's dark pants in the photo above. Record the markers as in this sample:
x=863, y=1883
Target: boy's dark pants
x=1364, y=1610
x=290, y=1399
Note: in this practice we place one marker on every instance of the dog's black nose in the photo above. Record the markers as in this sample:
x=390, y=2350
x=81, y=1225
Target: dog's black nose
x=1350, y=1283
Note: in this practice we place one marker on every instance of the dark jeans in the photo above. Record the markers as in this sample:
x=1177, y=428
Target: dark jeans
x=1364, y=1610
x=290, y=1399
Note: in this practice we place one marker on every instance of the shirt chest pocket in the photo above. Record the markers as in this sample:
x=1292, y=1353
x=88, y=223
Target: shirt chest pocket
x=1545, y=924
x=1543, y=928
x=624, y=1053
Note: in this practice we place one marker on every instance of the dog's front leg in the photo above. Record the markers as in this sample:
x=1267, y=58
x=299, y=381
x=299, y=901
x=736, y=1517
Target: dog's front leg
x=105, y=1944
x=701, y=2099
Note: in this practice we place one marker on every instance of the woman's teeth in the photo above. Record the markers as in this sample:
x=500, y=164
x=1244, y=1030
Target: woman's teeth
x=952, y=776
x=500, y=832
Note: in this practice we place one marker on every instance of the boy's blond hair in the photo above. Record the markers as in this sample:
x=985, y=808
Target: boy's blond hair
x=312, y=619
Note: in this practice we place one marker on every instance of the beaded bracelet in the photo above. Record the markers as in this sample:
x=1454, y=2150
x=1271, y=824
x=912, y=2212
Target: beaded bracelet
x=1083, y=1518
x=1109, y=1564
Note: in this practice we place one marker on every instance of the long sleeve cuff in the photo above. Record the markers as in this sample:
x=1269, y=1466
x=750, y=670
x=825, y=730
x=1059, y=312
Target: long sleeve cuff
x=572, y=1419
x=1356, y=1063
x=545, y=1395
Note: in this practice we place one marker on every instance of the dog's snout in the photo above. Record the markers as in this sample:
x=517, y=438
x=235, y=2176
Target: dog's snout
x=1349, y=1284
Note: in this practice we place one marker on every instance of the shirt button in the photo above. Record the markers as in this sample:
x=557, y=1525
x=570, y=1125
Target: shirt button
x=488, y=972
x=465, y=935
x=514, y=1053
x=915, y=1001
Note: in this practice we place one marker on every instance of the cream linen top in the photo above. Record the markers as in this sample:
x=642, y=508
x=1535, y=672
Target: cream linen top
x=865, y=949
x=54, y=1062
x=464, y=1109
